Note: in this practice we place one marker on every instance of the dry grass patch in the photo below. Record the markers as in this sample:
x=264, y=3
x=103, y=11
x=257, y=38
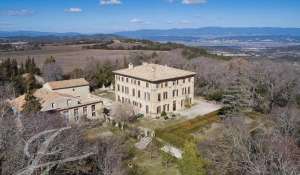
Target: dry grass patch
x=179, y=133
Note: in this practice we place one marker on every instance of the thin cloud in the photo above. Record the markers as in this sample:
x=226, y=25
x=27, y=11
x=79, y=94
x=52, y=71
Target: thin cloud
x=73, y=10
x=188, y=2
x=192, y=2
x=184, y=22
x=136, y=21
x=20, y=12
x=5, y=24
x=110, y=2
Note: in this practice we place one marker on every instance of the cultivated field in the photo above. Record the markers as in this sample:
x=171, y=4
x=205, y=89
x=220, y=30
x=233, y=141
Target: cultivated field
x=71, y=56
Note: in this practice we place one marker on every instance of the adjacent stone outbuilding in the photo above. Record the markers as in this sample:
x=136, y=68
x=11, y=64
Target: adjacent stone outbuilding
x=72, y=98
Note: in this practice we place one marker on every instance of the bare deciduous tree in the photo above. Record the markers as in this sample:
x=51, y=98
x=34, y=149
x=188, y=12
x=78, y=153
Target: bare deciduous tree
x=110, y=155
x=123, y=113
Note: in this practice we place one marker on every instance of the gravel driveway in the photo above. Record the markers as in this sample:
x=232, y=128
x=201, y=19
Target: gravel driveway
x=201, y=107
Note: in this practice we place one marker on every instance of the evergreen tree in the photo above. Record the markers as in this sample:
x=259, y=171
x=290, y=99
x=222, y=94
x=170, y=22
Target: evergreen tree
x=31, y=83
x=18, y=85
x=191, y=163
x=32, y=104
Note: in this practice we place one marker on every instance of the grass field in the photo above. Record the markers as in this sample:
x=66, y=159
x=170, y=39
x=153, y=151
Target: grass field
x=178, y=134
x=71, y=56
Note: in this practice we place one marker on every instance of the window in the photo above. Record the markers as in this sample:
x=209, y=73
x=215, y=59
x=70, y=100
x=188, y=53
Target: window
x=189, y=80
x=139, y=94
x=122, y=78
x=174, y=105
x=165, y=96
x=84, y=111
x=118, y=87
x=123, y=89
x=189, y=90
x=126, y=80
x=139, y=83
x=161, y=85
x=66, y=115
x=133, y=92
x=174, y=93
x=158, y=110
x=119, y=98
x=147, y=109
x=166, y=84
x=158, y=98
x=147, y=85
x=93, y=110
x=69, y=102
x=157, y=86
x=76, y=115
x=52, y=105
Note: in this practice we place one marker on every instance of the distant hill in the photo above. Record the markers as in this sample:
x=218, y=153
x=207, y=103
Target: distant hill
x=34, y=34
x=209, y=32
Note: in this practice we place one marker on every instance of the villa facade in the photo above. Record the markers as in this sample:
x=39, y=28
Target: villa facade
x=152, y=88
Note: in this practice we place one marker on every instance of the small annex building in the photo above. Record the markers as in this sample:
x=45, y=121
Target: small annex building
x=72, y=98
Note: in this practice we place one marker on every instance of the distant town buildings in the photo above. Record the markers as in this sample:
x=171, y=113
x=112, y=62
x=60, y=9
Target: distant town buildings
x=72, y=98
x=153, y=88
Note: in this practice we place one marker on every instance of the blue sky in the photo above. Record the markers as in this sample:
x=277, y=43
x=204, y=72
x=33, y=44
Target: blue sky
x=106, y=16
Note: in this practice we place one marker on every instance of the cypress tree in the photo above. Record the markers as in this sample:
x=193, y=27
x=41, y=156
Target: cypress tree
x=32, y=104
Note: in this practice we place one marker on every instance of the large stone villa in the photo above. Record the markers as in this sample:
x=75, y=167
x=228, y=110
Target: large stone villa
x=153, y=88
x=72, y=98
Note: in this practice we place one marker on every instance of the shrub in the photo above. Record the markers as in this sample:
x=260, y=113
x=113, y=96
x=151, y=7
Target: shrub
x=163, y=114
x=215, y=95
x=298, y=99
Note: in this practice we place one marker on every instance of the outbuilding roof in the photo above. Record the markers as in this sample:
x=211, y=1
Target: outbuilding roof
x=68, y=83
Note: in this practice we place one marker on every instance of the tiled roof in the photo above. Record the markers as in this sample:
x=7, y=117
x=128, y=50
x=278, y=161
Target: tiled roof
x=154, y=72
x=68, y=83
x=41, y=94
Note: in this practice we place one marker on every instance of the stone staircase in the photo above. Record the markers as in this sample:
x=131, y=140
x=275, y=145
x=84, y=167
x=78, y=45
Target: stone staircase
x=143, y=143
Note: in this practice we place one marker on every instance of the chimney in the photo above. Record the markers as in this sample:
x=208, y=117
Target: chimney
x=130, y=66
x=152, y=68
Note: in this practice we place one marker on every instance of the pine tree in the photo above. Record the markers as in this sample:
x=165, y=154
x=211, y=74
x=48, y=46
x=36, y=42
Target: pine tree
x=32, y=104
x=191, y=162
x=31, y=83
x=238, y=97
